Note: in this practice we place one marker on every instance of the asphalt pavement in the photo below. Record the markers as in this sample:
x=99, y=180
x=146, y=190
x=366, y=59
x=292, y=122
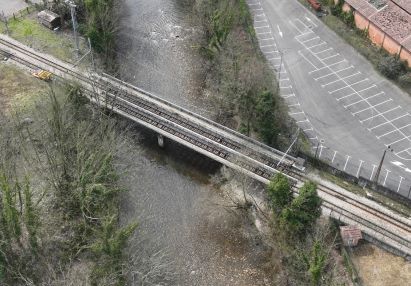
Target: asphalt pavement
x=350, y=113
x=8, y=7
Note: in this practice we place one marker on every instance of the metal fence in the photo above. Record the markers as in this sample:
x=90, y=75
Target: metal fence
x=363, y=173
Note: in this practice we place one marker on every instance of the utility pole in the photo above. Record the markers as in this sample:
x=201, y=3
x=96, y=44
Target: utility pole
x=377, y=174
x=5, y=22
x=91, y=54
x=73, y=20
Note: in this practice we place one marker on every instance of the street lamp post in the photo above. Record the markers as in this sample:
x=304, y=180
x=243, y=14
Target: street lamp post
x=377, y=174
x=73, y=19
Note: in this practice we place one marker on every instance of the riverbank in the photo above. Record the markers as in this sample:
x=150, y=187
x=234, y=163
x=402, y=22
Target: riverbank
x=59, y=190
x=195, y=229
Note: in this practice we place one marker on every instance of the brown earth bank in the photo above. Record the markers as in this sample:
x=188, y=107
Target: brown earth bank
x=377, y=267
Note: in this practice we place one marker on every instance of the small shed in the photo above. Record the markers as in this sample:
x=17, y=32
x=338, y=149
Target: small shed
x=350, y=235
x=49, y=19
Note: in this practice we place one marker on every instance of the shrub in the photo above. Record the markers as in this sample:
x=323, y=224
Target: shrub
x=299, y=217
x=391, y=67
x=405, y=80
x=280, y=192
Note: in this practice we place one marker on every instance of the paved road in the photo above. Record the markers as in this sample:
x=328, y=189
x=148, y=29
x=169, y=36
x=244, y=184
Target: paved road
x=11, y=6
x=350, y=113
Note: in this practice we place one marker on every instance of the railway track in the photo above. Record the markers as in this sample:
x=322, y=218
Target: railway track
x=169, y=120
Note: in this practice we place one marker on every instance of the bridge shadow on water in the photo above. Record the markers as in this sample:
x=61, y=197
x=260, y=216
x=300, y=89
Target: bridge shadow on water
x=183, y=159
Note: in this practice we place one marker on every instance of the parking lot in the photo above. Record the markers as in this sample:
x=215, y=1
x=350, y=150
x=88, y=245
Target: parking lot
x=326, y=76
x=274, y=56
x=8, y=7
x=373, y=108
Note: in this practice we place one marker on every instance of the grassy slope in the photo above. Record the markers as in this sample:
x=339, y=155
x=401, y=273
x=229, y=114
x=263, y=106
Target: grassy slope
x=30, y=32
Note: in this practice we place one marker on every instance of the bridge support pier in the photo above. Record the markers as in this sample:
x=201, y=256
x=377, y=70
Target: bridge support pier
x=160, y=140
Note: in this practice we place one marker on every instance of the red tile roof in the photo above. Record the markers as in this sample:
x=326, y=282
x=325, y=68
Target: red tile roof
x=362, y=6
x=394, y=21
x=404, y=4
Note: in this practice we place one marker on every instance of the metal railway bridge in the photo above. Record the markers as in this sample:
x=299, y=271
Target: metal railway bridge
x=219, y=143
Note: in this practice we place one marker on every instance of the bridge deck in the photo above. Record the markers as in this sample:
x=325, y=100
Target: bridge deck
x=218, y=142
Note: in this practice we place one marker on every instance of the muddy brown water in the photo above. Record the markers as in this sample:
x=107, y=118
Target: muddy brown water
x=180, y=213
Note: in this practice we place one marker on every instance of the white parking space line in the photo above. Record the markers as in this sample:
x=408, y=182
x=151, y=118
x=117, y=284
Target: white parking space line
x=271, y=52
x=258, y=21
x=372, y=172
x=328, y=66
x=306, y=41
x=288, y=95
x=307, y=59
x=346, y=162
x=335, y=153
x=364, y=99
x=367, y=88
x=394, y=130
x=340, y=79
x=267, y=39
x=399, y=140
x=359, y=82
x=359, y=168
x=263, y=33
x=386, y=122
x=399, y=185
x=338, y=89
x=373, y=106
x=270, y=45
x=386, y=176
x=359, y=93
x=408, y=151
x=330, y=57
x=326, y=50
x=295, y=113
x=274, y=58
x=324, y=76
x=317, y=45
x=262, y=27
x=295, y=104
x=345, y=96
x=380, y=113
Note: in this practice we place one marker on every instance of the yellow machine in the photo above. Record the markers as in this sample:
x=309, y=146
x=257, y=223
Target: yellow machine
x=43, y=75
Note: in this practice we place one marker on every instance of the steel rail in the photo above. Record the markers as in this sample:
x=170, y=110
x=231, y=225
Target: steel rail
x=266, y=174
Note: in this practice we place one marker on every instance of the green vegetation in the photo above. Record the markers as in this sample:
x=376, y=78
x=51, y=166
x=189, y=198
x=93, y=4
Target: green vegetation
x=98, y=20
x=100, y=25
x=303, y=243
x=59, y=191
x=388, y=65
x=32, y=33
x=244, y=89
x=299, y=217
x=280, y=192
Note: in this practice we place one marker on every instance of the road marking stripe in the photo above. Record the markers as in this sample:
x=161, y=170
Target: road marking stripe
x=380, y=113
x=329, y=49
x=389, y=121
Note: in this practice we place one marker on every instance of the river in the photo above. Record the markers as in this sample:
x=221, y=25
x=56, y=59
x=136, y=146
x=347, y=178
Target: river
x=181, y=214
